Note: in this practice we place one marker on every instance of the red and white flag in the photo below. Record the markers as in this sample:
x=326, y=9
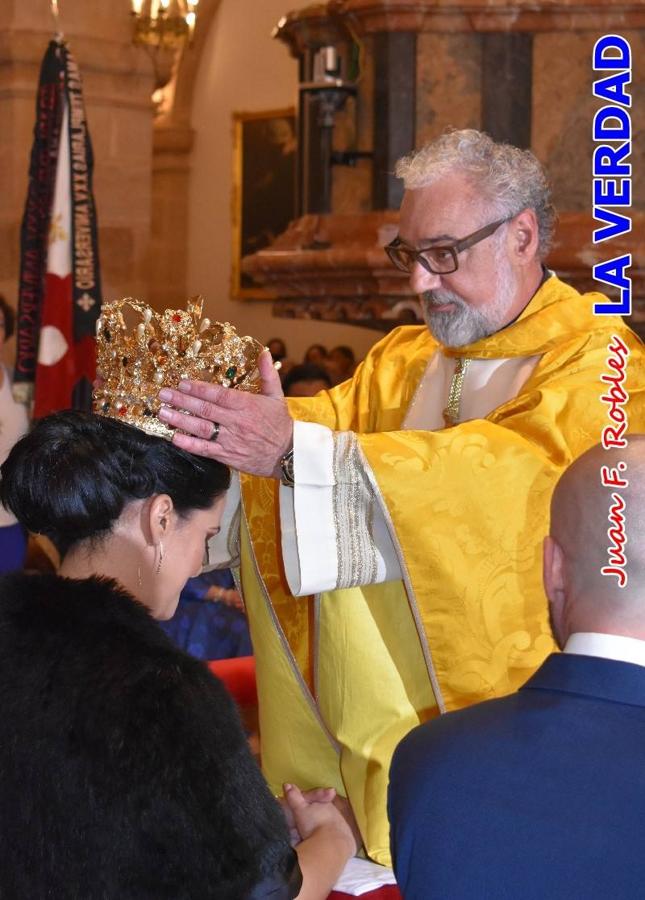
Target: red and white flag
x=60, y=293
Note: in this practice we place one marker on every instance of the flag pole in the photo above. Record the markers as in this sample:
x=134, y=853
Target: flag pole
x=58, y=34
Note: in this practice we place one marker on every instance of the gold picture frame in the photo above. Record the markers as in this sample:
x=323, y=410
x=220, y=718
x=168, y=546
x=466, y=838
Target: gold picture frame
x=264, y=184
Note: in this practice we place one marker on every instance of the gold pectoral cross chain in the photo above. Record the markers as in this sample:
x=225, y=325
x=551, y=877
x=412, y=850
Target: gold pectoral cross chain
x=451, y=412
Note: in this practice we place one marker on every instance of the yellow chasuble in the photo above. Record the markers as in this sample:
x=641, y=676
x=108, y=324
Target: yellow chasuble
x=343, y=676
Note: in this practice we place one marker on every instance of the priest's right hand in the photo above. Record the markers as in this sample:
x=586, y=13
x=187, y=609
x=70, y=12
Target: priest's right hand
x=248, y=432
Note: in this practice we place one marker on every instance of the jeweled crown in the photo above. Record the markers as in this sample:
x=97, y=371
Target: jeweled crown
x=159, y=350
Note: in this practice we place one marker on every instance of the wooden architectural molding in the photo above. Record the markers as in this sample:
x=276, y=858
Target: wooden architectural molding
x=334, y=267
x=336, y=254
x=450, y=16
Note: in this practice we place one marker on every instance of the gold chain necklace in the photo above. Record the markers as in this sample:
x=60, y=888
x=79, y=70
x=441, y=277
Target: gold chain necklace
x=451, y=412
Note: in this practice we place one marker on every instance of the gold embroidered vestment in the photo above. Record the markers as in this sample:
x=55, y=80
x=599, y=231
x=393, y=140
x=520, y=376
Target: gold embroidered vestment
x=343, y=676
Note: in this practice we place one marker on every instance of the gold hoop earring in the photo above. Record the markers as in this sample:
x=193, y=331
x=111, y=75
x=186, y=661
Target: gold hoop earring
x=158, y=569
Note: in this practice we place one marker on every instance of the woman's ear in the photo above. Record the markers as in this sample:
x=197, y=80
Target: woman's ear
x=160, y=517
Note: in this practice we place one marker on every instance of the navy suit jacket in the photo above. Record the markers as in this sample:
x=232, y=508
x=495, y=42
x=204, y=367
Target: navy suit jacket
x=536, y=796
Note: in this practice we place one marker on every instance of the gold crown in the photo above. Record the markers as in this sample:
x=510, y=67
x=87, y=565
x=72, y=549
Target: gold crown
x=160, y=350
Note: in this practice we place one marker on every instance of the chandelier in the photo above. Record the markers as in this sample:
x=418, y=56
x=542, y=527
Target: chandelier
x=164, y=23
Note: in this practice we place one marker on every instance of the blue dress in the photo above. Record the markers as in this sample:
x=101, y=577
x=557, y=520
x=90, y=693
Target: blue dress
x=13, y=424
x=13, y=548
x=208, y=629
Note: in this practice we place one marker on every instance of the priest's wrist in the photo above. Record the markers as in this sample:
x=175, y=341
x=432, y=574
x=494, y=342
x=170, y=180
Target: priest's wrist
x=284, y=468
x=287, y=477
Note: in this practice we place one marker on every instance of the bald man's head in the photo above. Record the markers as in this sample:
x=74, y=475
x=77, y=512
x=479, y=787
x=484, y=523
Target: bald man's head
x=584, y=509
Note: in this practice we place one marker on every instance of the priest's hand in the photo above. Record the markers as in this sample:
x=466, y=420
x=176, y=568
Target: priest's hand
x=249, y=432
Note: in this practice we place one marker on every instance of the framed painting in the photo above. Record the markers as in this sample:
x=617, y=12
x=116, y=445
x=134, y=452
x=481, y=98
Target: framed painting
x=264, y=187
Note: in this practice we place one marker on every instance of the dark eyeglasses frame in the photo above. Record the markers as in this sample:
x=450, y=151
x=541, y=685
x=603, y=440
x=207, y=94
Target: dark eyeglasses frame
x=464, y=244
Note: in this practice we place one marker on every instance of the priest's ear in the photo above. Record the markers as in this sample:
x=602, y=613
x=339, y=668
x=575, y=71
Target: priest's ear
x=525, y=236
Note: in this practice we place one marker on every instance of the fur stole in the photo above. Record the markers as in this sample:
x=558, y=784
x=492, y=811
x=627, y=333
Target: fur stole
x=124, y=769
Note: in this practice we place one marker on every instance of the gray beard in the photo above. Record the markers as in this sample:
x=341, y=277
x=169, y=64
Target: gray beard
x=459, y=327
x=466, y=324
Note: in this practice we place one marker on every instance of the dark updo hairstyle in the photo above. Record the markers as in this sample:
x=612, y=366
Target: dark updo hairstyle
x=72, y=475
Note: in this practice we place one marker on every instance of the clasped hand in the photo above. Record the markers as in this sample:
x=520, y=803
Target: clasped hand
x=255, y=430
x=319, y=809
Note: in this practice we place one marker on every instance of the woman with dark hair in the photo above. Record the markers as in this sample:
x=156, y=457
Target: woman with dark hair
x=13, y=424
x=124, y=770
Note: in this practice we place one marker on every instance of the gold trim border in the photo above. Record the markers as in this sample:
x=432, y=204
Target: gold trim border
x=309, y=698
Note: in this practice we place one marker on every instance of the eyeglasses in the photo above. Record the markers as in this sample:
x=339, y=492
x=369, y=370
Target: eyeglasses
x=442, y=258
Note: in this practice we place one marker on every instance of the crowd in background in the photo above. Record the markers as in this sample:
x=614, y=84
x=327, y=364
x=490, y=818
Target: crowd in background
x=319, y=370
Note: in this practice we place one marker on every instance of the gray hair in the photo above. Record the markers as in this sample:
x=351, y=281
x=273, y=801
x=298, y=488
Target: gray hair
x=509, y=179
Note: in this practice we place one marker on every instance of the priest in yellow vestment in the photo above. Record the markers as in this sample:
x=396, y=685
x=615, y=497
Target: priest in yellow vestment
x=393, y=572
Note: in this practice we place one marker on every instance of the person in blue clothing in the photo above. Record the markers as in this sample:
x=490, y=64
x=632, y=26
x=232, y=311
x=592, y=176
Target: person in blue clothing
x=13, y=424
x=540, y=795
x=210, y=622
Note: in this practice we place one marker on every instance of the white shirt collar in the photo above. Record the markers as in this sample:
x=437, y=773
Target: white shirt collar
x=607, y=646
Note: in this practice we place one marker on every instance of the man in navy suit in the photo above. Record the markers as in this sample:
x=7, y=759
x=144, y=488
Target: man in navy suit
x=542, y=794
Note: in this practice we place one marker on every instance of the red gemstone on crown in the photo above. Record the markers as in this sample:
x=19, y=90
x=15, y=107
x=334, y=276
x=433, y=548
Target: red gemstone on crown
x=176, y=318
